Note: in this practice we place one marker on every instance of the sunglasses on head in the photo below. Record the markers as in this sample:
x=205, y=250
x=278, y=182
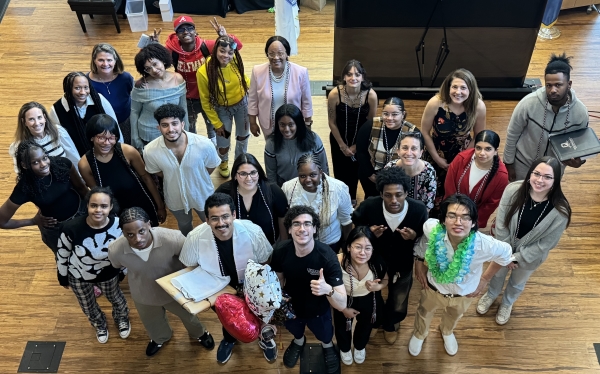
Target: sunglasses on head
x=227, y=43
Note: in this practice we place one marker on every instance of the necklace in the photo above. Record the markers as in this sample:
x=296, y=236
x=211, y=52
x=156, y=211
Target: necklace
x=485, y=177
x=104, y=83
x=265, y=202
x=46, y=186
x=442, y=270
x=316, y=204
x=273, y=78
x=544, y=124
x=388, y=151
x=357, y=115
x=534, y=204
x=534, y=224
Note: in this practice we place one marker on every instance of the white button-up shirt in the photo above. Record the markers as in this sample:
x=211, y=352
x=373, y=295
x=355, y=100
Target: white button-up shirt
x=187, y=185
x=486, y=249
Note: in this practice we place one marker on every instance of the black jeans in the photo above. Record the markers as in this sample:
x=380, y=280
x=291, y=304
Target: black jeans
x=396, y=305
x=362, y=330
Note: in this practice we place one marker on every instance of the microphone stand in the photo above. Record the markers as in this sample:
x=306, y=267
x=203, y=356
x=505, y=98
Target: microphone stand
x=442, y=54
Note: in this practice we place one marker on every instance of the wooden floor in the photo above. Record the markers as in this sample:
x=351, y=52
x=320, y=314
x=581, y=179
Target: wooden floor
x=554, y=323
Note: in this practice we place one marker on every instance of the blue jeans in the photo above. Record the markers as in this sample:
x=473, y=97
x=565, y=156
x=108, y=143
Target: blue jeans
x=227, y=115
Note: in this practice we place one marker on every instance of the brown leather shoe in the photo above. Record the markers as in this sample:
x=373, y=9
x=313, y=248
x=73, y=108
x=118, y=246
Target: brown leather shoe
x=390, y=336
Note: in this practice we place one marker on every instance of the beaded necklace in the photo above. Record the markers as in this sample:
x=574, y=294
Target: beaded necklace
x=265, y=202
x=349, y=269
x=316, y=204
x=273, y=78
x=360, y=99
x=386, y=147
x=544, y=124
x=485, y=177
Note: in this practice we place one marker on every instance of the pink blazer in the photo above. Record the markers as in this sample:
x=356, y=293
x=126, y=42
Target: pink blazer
x=259, y=96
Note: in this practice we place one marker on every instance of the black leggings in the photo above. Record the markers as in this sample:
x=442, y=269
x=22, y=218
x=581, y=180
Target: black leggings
x=362, y=331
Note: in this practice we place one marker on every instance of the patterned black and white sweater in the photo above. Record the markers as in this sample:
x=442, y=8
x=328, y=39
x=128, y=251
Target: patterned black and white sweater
x=83, y=251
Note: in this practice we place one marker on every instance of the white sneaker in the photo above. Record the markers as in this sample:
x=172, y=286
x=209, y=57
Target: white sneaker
x=414, y=346
x=450, y=344
x=347, y=357
x=503, y=314
x=484, y=304
x=124, y=329
x=102, y=336
x=359, y=356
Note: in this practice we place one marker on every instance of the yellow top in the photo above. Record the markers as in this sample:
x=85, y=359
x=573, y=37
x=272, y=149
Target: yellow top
x=234, y=89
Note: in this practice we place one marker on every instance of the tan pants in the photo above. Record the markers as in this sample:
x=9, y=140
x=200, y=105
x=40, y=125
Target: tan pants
x=454, y=307
x=154, y=318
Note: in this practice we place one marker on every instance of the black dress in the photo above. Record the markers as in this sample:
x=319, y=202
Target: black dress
x=129, y=190
x=344, y=168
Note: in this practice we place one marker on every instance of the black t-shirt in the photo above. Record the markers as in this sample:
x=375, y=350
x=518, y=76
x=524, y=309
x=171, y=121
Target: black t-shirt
x=299, y=271
x=225, y=249
x=59, y=201
x=531, y=214
x=259, y=214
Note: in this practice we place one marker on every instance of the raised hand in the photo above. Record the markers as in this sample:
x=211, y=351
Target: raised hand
x=378, y=230
x=320, y=287
x=407, y=233
x=374, y=285
x=220, y=29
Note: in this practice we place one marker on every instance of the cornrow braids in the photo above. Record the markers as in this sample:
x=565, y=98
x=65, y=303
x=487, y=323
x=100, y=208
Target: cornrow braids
x=68, y=82
x=215, y=74
x=325, y=211
x=32, y=184
x=133, y=214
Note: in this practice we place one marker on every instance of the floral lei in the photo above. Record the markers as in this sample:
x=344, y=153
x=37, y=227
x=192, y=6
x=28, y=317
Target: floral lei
x=442, y=270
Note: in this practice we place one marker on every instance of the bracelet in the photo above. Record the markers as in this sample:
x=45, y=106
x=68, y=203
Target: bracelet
x=419, y=259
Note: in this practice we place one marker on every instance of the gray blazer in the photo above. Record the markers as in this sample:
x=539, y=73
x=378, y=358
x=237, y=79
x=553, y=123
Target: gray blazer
x=531, y=253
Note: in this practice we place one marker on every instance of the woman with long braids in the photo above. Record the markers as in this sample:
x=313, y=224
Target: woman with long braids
x=364, y=276
x=223, y=92
x=157, y=86
x=532, y=217
x=52, y=184
x=33, y=124
x=449, y=118
x=422, y=175
x=328, y=197
x=349, y=106
x=82, y=262
x=378, y=140
x=288, y=142
x=480, y=174
x=74, y=109
x=256, y=199
x=120, y=167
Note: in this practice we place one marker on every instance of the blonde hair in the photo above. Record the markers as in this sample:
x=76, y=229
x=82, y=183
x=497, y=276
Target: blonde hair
x=474, y=95
x=106, y=48
x=22, y=133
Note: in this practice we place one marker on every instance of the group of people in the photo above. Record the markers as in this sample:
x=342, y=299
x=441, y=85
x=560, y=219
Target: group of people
x=113, y=154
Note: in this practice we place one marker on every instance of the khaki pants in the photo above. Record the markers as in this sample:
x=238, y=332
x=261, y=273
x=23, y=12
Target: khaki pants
x=454, y=307
x=156, y=322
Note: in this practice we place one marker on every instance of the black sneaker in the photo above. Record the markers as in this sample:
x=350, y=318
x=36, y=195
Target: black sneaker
x=292, y=354
x=207, y=341
x=153, y=348
x=224, y=351
x=332, y=361
x=269, y=349
x=124, y=329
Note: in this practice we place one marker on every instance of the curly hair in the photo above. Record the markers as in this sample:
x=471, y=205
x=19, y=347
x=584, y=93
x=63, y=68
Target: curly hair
x=559, y=64
x=471, y=102
x=299, y=210
x=152, y=51
x=106, y=48
x=68, y=83
x=215, y=74
x=218, y=199
x=169, y=111
x=133, y=214
x=32, y=184
x=392, y=176
x=22, y=133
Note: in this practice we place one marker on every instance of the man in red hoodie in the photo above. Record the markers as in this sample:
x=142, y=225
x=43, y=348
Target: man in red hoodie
x=189, y=52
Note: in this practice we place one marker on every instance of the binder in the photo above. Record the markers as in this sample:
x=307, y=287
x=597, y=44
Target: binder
x=578, y=143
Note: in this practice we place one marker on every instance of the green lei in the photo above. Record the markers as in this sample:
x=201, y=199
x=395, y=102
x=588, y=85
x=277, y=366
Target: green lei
x=442, y=270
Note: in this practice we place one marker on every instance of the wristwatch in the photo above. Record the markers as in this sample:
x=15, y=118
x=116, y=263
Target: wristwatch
x=331, y=292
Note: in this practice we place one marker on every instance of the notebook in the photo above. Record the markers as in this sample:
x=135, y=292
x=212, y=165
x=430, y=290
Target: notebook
x=578, y=143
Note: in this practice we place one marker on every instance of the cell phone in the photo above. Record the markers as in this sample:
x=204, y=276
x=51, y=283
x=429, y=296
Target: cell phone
x=227, y=133
x=144, y=41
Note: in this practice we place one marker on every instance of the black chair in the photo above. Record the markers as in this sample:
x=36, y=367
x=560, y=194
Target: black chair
x=92, y=7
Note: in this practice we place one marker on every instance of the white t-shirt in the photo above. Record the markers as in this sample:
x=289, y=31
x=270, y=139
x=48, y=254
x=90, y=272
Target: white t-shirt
x=475, y=175
x=143, y=253
x=394, y=220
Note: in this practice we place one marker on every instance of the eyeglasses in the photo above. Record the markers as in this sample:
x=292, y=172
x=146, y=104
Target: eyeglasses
x=453, y=218
x=359, y=248
x=102, y=138
x=154, y=66
x=252, y=174
x=276, y=55
x=227, y=43
x=545, y=177
x=297, y=225
x=217, y=219
x=184, y=29
x=393, y=115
